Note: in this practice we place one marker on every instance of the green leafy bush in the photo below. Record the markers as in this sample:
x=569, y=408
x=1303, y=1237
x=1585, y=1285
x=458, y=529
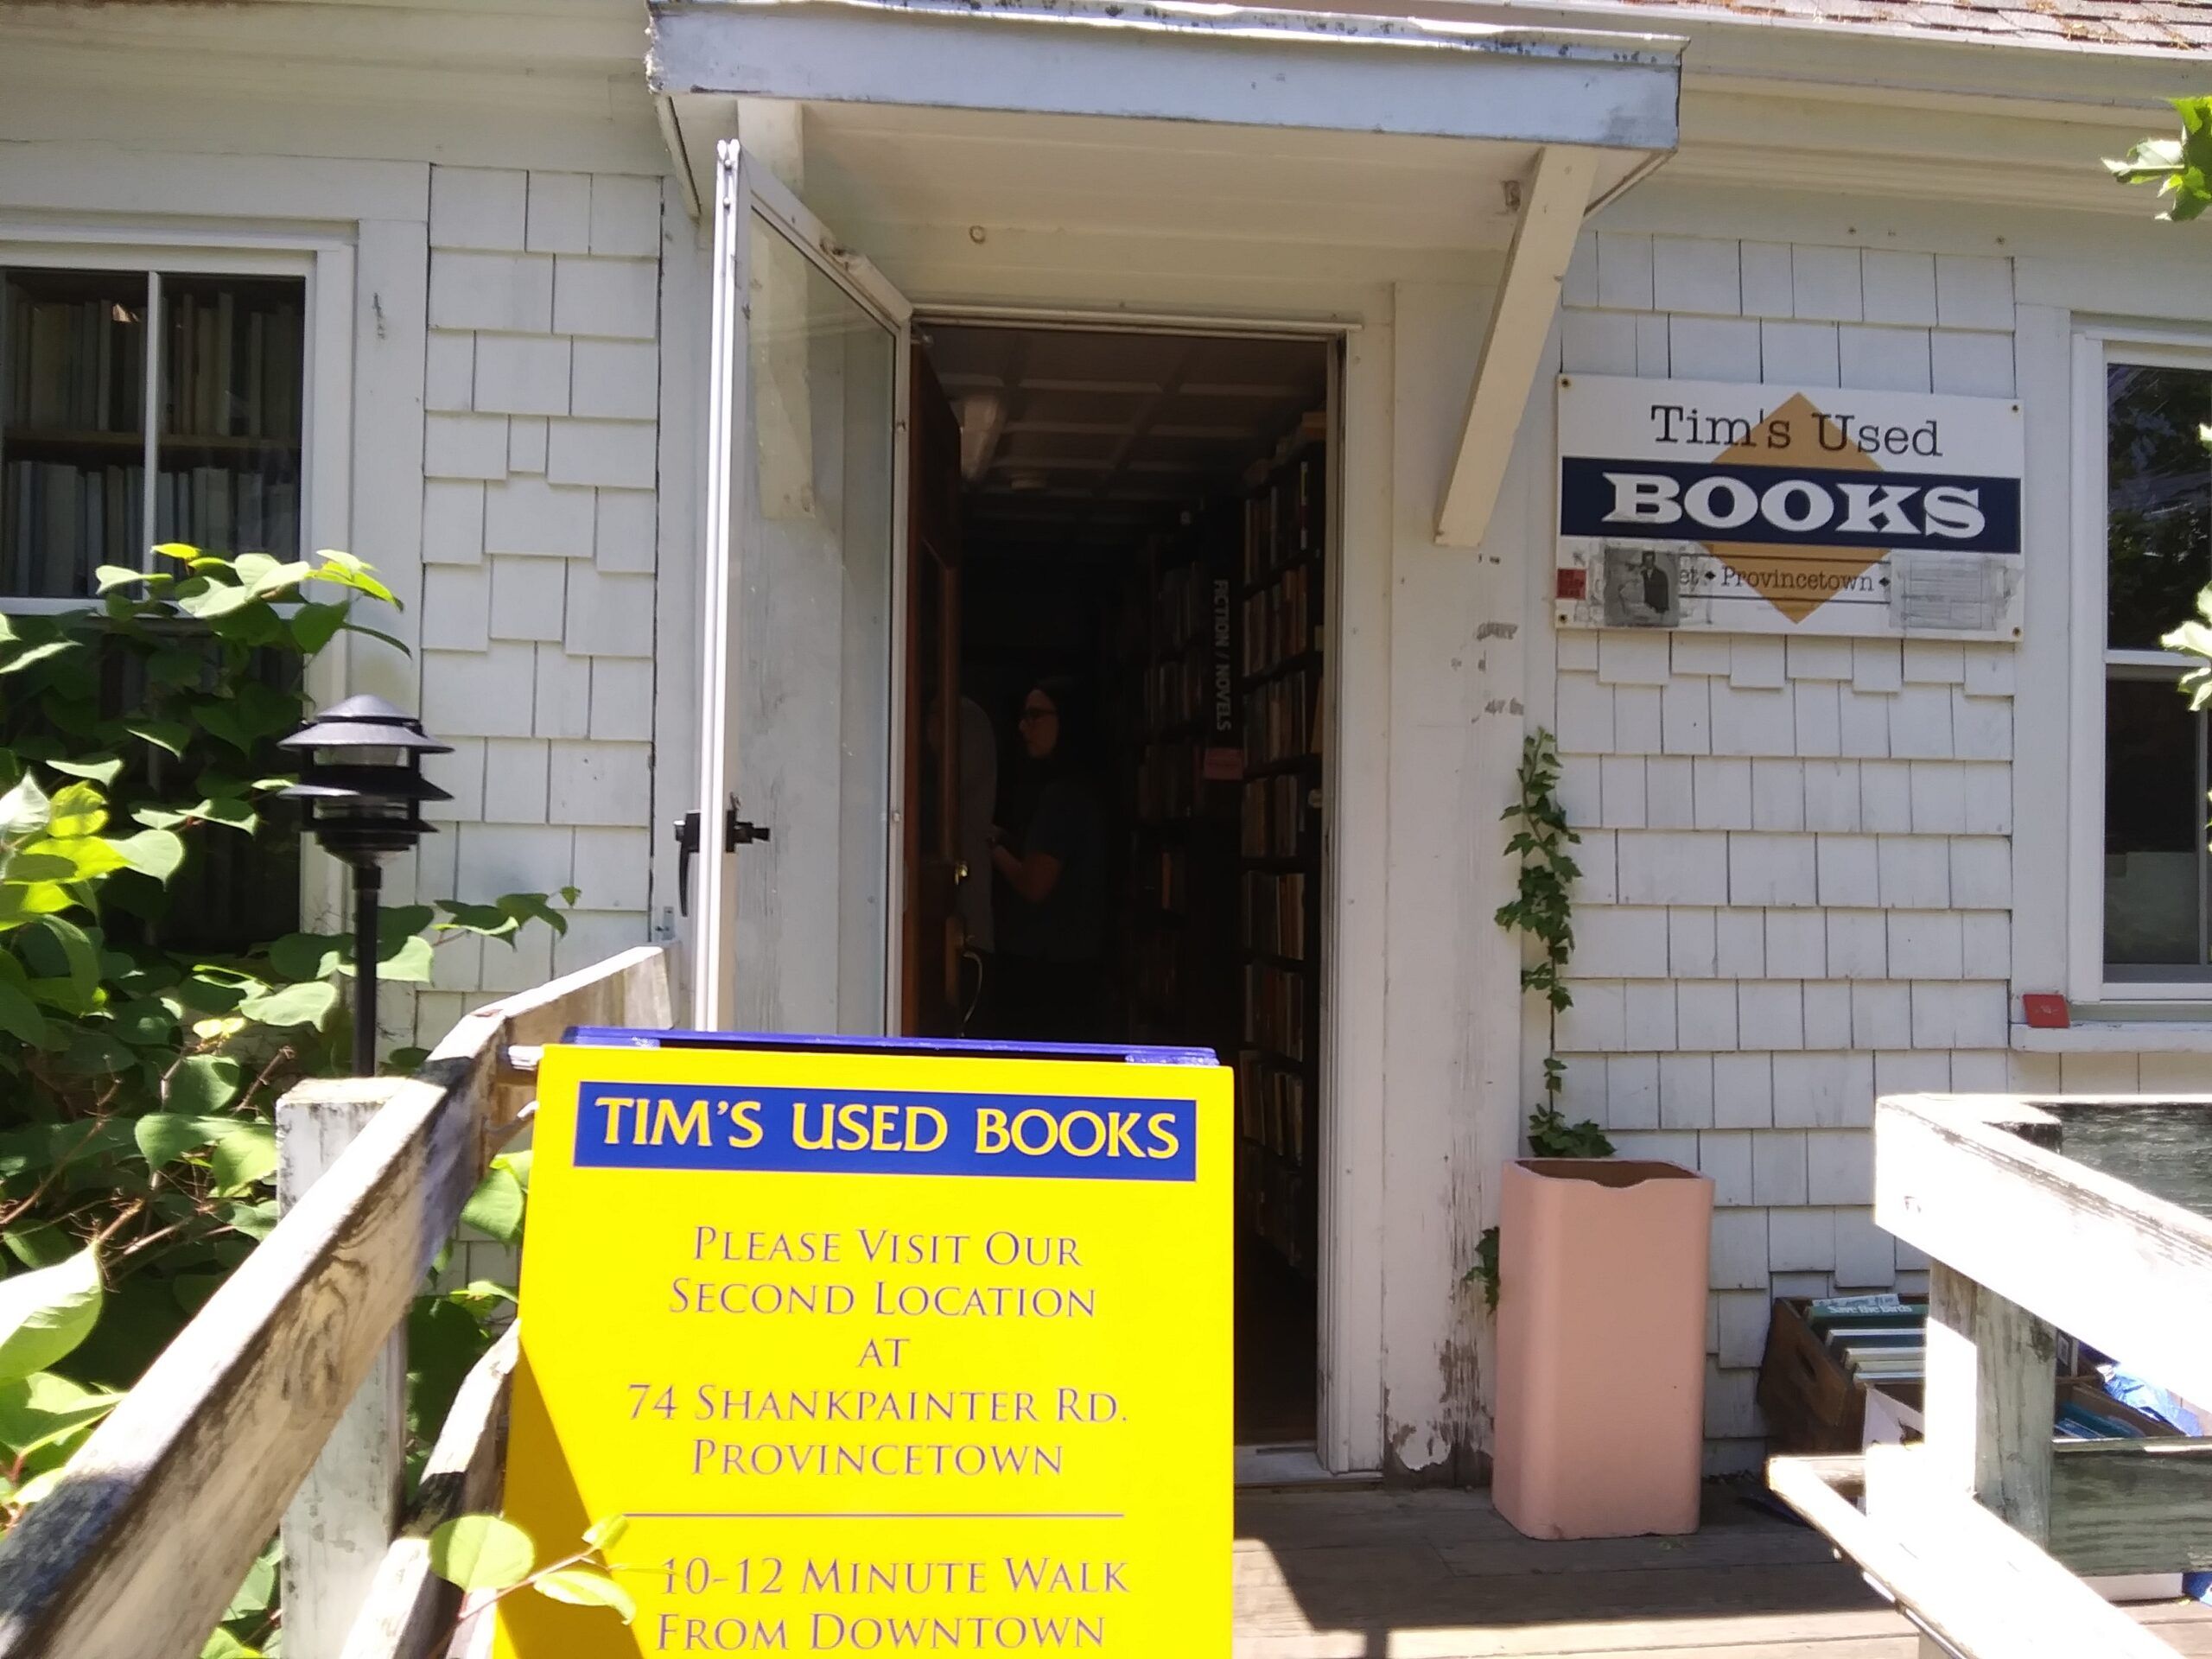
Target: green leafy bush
x=139, y=1077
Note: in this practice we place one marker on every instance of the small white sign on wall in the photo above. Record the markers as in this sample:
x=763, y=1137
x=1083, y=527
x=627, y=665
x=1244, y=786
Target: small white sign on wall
x=1781, y=509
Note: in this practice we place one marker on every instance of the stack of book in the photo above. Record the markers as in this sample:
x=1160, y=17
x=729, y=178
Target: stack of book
x=1881, y=1338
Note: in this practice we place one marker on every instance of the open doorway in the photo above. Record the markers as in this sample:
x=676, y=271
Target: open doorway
x=1116, y=674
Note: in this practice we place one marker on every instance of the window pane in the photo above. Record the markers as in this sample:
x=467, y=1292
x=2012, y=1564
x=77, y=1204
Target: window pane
x=2154, y=825
x=2158, y=499
x=72, y=344
x=232, y=389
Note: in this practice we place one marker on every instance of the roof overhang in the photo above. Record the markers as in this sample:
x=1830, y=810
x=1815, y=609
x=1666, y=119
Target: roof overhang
x=1391, y=125
x=1222, y=65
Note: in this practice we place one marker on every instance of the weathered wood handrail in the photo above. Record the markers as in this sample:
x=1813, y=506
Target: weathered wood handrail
x=137, y=1553
x=2117, y=1507
x=1975, y=1531
x=409, y=1605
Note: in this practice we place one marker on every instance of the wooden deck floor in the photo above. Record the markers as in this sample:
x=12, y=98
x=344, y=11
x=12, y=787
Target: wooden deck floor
x=1354, y=1573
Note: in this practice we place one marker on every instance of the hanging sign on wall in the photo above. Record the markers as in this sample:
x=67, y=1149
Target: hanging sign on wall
x=878, y=1351
x=1782, y=509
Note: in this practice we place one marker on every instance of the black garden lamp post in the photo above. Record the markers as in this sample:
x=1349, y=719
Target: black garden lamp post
x=364, y=788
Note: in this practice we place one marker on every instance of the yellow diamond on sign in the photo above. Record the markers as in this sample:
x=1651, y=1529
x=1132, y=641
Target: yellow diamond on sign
x=1796, y=582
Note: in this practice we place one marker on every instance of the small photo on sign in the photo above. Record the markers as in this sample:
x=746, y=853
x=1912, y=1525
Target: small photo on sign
x=1641, y=586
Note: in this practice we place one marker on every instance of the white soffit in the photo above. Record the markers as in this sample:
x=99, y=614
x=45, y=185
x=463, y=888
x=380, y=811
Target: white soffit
x=1222, y=65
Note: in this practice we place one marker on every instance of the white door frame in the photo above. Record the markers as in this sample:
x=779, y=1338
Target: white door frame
x=1349, y=1353
x=743, y=189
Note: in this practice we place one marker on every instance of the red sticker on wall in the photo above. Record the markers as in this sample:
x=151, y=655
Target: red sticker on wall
x=1574, y=583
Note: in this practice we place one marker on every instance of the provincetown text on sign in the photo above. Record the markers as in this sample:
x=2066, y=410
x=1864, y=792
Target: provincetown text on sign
x=878, y=1352
x=1784, y=509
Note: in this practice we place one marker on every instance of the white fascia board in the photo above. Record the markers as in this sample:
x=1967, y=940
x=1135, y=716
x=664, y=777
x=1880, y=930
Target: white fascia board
x=1223, y=64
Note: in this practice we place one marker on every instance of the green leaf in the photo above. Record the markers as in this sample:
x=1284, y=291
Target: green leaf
x=24, y=810
x=586, y=1587
x=164, y=1137
x=607, y=1532
x=203, y=1084
x=19, y=904
x=169, y=735
x=258, y=1589
x=44, y=1315
x=291, y=1005
x=78, y=951
x=344, y=570
x=77, y=810
x=232, y=814
x=34, y=864
x=221, y=720
x=156, y=853
x=315, y=624
x=307, y=956
x=101, y=769
x=37, y=1410
x=20, y=1017
x=495, y=1209
x=40, y=1244
x=37, y=655
x=482, y=1297
x=183, y=551
x=409, y=964
x=397, y=921
x=245, y=1157
x=85, y=856
x=215, y=600
x=482, y=1552
x=221, y=1644
x=178, y=665
x=256, y=1221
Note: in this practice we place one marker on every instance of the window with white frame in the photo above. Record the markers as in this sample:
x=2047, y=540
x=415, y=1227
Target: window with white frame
x=140, y=405
x=2158, y=875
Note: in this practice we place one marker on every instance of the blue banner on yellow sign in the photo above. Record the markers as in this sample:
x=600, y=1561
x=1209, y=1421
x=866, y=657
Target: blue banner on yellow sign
x=627, y=1125
x=878, y=1351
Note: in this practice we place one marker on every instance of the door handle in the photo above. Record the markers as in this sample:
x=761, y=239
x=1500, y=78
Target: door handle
x=687, y=849
x=736, y=833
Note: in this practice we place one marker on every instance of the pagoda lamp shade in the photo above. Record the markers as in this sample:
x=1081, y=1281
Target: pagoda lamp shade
x=361, y=780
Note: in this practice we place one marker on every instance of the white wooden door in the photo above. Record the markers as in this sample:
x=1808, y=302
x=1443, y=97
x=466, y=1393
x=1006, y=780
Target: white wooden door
x=795, y=902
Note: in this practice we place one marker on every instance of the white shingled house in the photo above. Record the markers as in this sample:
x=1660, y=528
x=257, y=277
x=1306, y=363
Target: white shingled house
x=1779, y=405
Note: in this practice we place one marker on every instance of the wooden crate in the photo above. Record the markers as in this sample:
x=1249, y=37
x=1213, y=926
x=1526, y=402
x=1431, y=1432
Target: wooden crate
x=1812, y=1404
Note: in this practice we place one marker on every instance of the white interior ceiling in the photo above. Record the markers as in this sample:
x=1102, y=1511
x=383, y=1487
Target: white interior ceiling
x=1080, y=436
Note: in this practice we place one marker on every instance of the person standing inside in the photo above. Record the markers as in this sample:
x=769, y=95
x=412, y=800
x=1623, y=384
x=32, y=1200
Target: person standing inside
x=1050, y=927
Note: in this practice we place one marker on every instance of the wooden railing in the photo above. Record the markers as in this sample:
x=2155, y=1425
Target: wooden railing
x=1980, y=1531
x=138, y=1551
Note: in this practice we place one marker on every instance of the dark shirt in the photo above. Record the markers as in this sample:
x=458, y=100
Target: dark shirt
x=1068, y=924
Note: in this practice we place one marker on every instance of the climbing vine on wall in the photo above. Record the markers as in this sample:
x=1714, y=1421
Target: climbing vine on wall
x=1543, y=909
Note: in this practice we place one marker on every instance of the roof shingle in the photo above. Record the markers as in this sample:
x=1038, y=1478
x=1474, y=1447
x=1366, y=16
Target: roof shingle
x=2179, y=26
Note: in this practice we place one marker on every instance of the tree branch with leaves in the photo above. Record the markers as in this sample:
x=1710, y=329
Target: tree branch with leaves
x=2180, y=166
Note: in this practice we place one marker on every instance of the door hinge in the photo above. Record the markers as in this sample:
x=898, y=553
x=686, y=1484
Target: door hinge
x=736, y=833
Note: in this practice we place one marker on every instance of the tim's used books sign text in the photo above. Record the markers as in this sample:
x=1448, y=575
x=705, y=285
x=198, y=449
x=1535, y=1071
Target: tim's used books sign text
x=1686, y=504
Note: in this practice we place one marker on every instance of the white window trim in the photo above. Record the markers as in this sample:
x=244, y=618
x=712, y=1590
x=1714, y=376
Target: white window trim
x=2096, y=345
x=326, y=264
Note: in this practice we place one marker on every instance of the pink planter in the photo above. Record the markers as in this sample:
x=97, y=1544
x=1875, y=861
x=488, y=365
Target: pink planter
x=1601, y=1346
